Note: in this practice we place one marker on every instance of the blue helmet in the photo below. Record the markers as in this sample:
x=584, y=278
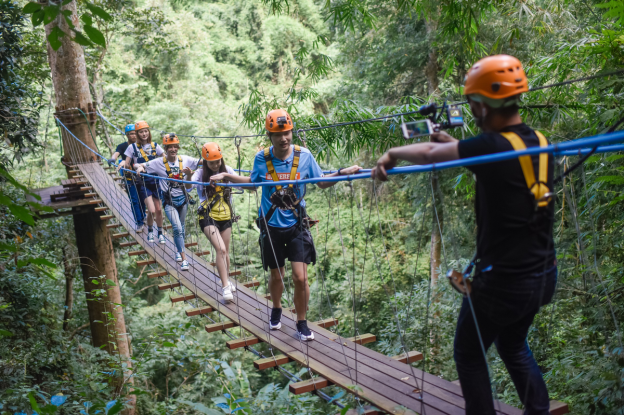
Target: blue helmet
x=129, y=127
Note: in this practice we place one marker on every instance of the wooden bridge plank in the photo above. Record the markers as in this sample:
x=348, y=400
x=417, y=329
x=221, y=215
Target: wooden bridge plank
x=157, y=274
x=168, y=286
x=197, y=311
x=254, y=314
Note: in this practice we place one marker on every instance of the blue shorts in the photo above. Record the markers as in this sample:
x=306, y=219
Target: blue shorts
x=147, y=190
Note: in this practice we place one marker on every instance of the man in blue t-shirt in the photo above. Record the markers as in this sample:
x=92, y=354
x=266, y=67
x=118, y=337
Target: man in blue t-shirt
x=138, y=206
x=516, y=270
x=282, y=219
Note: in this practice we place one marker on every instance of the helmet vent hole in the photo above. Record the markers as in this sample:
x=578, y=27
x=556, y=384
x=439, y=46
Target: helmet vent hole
x=510, y=69
x=518, y=79
x=501, y=71
x=496, y=86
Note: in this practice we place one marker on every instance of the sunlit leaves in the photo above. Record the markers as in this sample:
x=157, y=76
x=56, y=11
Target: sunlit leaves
x=46, y=14
x=95, y=35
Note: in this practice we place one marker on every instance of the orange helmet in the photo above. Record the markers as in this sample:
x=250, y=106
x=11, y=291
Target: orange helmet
x=278, y=121
x=169, y=139
x=140, y=125
x=496, y=77
x=211, y=151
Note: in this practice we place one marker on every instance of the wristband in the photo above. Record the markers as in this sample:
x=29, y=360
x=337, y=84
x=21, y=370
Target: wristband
x=339, y=171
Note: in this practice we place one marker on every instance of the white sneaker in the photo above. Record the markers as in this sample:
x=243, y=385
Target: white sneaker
x=275, y=320
x=178, y=257
x=184, y=266
x=161, y=238
x=150, y=237
x=139, y=228
x=227, y=293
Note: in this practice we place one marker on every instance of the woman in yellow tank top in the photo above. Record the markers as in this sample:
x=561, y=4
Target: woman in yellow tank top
x=215, y=211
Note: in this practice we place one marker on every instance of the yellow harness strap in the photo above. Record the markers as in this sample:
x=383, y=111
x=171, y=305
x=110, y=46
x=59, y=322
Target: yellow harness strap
x=271, y=169
x=145, y=155
x=526, y=164
x=169, y=169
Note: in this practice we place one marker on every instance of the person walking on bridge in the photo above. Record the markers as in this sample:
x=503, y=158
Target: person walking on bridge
x=138, y=206
x=216, y=210
x=142, y=152
x=282, y=218
x=173, y=195
x=516, y=269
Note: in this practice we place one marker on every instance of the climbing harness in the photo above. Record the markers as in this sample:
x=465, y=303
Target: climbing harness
x=166, y=196
x=539, y=189
x=221, y=193
x=285, y=198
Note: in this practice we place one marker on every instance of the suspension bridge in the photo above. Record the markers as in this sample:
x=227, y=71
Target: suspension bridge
x=391, y=384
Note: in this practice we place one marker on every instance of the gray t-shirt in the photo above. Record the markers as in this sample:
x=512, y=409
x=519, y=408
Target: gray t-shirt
x=130, y=151
x=157, y=167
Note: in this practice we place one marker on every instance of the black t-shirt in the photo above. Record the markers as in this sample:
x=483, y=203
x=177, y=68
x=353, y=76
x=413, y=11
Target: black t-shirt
x=121, y=149
x=505, y=207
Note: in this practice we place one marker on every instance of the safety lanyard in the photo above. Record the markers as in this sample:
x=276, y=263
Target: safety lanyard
x=539, y=189
x=169, y=169
x=293, y=170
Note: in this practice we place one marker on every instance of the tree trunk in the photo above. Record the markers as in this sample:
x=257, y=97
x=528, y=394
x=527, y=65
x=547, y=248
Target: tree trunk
x=431, y=72
x=95, y=248
x=70, y=269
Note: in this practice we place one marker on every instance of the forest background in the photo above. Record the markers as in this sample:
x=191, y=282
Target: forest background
x=213, y=68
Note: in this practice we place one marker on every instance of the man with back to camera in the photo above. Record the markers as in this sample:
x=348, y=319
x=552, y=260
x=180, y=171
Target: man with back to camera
x=138, y=208
x=516, y=269
x=282, y=218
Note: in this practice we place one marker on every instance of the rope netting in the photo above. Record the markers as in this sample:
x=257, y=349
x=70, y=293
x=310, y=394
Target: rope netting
x=80, y=153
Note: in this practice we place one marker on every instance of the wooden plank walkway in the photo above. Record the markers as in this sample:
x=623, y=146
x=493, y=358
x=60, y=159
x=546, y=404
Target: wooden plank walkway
x=387, y=383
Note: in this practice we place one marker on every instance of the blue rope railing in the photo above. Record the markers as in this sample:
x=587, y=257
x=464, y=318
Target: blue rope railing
x=570, y=148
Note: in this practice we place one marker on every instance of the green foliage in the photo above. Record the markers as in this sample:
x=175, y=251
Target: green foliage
x=44, y=14
x=216, y=68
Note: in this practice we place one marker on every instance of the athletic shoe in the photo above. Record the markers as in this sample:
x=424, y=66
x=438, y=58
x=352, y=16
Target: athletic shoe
x=227, y=293
x=184, y=266
x=303, y=332
x=150, y=237
x=139, y=228
x=276, y=316
x=161, y=238
x=178, y=257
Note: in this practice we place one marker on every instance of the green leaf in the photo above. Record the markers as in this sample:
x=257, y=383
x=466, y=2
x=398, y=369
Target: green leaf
x=96, y=282
x=111, y=283
x=66, y=13
x=41, y=261
x=168, y=344
x=115, y=408
x=50, y=13
x=31, y=7
x=614, y=157
x=81, y=39
x=41, y=207
x=7, y=247
x=22, y=214
x=33, y=402
x=99, y=12
x=610, y=179
x=66, y=2
x=37, y=18
x=86, y=18
x=53, y=38
x=95, y=35
x=5, y=333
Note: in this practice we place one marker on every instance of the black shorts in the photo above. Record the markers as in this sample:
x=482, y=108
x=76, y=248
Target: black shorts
x=221, y=225
x=294, y=244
